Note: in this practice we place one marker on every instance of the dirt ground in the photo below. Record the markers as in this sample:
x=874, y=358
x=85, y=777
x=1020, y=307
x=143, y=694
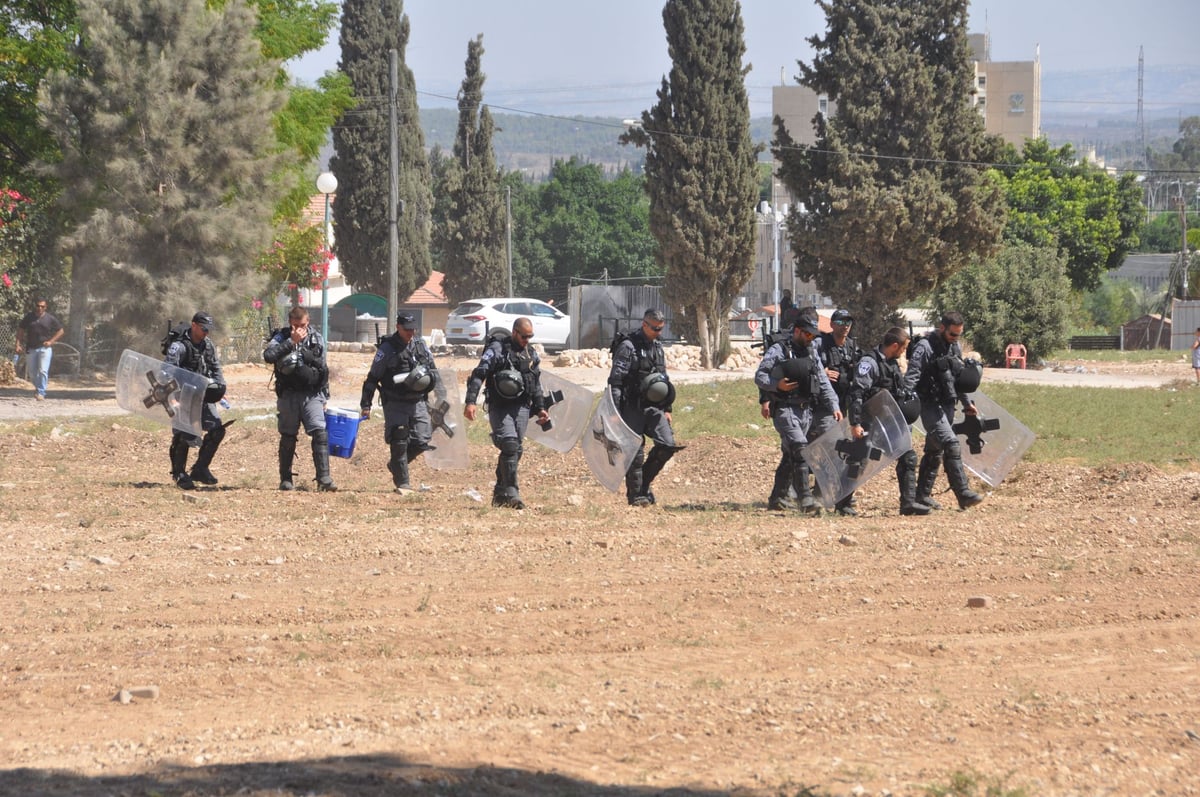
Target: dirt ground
x=365, y=643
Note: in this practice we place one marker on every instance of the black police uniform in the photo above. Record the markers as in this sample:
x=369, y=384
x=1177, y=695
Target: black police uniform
x=407, y=424
x=200, y=358
x=636, y=362
x=302, y=391
x=512, y=375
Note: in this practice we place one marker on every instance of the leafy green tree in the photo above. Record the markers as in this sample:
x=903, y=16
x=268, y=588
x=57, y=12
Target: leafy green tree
x=533, y=268
x=1054, y=200
x=700, y=169
x=1019, y=295
x=361, y=160
x=35, y=37
x=890, y=201
x=472, y=241
x=171, y=155
x=1114, y=302
x=1163, y=234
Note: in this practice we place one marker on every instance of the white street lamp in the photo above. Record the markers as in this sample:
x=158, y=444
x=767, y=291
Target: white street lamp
x=776, y=219
x=326, y=184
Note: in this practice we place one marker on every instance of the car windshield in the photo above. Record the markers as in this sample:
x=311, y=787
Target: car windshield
x=466, y=308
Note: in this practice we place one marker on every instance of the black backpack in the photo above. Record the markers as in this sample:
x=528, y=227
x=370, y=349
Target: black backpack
x=175, y=333
x=617, y=340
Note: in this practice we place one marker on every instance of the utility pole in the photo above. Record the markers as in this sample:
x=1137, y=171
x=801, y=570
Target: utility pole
x=393, y=191
x=1183, y=251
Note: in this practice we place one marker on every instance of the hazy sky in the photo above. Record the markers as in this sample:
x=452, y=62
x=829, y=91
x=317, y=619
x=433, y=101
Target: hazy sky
x=616, y=49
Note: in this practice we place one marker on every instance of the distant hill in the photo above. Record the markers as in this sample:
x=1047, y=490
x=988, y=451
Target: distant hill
x=531, y=143
x=1094, y=109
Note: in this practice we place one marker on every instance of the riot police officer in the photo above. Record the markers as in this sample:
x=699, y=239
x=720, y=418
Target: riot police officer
x=511, y=369
x=192, y=350
x=302, y=389
x=839, y=355
x=790, y=373
x=941, y=378
x=643, y=394
x=404, y=373
x=877, y=371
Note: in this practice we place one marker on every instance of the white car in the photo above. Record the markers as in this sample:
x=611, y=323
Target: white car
x=472, y=320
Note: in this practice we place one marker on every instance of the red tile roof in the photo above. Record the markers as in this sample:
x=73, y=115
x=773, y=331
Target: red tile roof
x=430, y=293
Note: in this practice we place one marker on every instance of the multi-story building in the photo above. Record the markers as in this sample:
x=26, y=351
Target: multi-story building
x=1008, y=94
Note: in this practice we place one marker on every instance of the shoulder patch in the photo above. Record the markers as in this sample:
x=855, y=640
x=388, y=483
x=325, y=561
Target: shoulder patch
x=864, y=367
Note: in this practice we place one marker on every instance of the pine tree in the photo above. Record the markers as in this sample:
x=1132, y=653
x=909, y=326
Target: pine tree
x=370, y=30
x=893, y=199
x=700, y=172
x=170, y=154
x=472, y=241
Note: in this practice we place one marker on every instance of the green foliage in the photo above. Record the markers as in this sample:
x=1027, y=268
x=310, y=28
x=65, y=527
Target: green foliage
x=973, y=784
x=889, y=199
x=361, y=162
x=297, y=259
x=27, y=263
x=1078, y=208
x=471, y=239
x=700, y=168
x=1019, y=295
x=170, y=152
x=1164, y=232
x=1114, y=302
x=35, y=38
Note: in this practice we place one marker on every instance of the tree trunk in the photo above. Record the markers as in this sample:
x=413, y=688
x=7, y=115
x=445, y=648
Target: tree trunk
x=82, y=264
x=702, y=332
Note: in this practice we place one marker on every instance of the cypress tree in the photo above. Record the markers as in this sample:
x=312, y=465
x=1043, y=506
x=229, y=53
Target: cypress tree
x=171, y=157
x=472, y=242
x=894, y=199
x=700, y=172
x=370, y=29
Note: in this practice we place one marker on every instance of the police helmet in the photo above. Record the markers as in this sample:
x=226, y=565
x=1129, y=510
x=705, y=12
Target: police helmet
x=418, y=380
x=967, y=380
x=841, y=316
x=214, y=392
x=656, y=389
x=793, y=368
x=509, y=384
x=910, y=406
x=289, y=364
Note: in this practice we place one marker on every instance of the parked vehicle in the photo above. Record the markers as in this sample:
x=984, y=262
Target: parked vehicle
x=471, y=321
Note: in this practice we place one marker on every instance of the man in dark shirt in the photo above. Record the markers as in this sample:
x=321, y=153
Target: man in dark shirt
x=37, y=333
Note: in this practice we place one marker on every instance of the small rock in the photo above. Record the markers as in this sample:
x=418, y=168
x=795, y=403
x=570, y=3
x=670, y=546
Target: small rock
x=846, y=539
x=979, y=602
x=124, y=697
x=142, y=692
x=574, y=499
x=602, y=543
x=102, y=560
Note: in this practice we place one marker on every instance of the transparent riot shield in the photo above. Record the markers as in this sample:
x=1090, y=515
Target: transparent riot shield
x=569, y=406
x=163, y=393
x=449, y=431
x=842, y=464
x=608, y=444
x=992, y=442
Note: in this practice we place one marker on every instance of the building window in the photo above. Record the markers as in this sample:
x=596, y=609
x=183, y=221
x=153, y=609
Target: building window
x=823, y=106
x=983, y=81
x=982, y=102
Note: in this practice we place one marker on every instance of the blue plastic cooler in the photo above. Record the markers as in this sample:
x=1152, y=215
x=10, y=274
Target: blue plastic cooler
x=342, y=426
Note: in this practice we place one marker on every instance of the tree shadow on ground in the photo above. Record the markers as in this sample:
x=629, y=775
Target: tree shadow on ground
x=89, y=394
x=355, y=776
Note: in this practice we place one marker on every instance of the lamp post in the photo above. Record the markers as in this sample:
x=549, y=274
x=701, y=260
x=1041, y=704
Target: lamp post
x=776, y=219
x=326, y=184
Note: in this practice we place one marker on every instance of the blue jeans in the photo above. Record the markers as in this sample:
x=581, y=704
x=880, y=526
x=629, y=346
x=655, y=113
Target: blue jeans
x=37, y=367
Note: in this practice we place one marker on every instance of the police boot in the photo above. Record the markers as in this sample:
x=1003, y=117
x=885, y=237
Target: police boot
x=926, y=477
x=208, y=450
x=179, y=455
x=510, y=457
x=656, y=460
x=780, y=500
x=906, y=477
x=956, y=472
x=415, y=450
x=801, y=479
x=633, y=481
x=398, y=465
x=320, y=454
x=845, y=507
x=287, y=455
